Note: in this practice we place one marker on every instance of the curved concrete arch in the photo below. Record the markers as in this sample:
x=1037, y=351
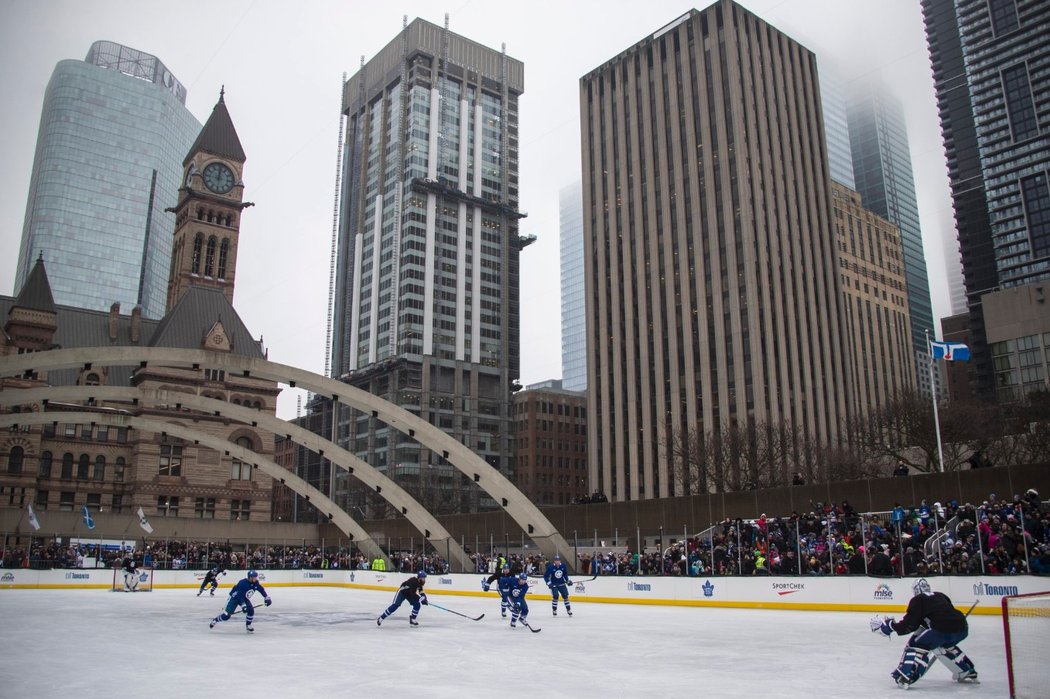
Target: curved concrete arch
x=513, y=501
x=271, y=468
x=411, y=508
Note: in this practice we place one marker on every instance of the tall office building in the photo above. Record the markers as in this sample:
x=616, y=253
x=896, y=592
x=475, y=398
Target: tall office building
x=573, y=304
x=836, y=125
x=882, y=168
x=991, y=70
x=709, y=251
x=426, y=299
x=113, y=133
x=874, y=287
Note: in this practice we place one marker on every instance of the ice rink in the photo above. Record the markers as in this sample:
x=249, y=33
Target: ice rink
x=311, y=643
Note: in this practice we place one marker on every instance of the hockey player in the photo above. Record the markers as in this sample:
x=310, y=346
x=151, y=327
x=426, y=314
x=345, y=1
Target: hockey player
x=241, y=596
x=939, y=627
x=503, y=580
x=131, y=574
x=519, y=606
x=411, y=590
x=212, y=578
x=557, y=578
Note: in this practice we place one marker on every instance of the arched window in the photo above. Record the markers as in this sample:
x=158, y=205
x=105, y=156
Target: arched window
x=240, y=470
x=82, y=467
x=211, y=215
x=209, y=259
x=67, y=465
x=224, y=251
x=198, y=244
x=100, y=468
x=200, y=213
x=44, y=469
x=14, y=460
x=92, y=379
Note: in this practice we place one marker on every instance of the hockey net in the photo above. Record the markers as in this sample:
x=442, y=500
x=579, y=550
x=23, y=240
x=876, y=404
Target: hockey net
x=1026, y=628
x=141, y=582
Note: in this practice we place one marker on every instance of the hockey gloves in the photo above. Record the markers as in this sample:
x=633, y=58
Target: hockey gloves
x=484, y=586
x=881, y=625
x=268, y=601
x=423, y=598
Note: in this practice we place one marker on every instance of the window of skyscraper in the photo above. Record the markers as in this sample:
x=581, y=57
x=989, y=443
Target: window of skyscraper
x=1019, y=105
x=1036, y=196
x=1004, y=15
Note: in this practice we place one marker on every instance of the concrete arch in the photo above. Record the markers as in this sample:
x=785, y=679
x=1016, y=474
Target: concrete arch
x=418, y=515
x=271, y=468
x=513, y=501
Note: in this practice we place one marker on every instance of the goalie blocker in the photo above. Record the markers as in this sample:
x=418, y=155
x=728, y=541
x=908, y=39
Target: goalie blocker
x=139, y=581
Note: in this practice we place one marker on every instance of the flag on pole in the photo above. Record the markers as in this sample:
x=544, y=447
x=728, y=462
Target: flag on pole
x=143, y=522
x=33, y=521
x=88, y=522
x=949, y=351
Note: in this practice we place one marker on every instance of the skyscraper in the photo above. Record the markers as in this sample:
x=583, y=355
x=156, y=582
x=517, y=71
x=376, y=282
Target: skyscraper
x=882, y=168
x=113, y=132
x=836, y=125
x=573, y=318
x=991, y=70
x=426, y=298
x=709, y=251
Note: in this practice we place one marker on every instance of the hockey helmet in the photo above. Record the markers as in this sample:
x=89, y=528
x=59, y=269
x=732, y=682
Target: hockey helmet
x=523, y=577
x=252, y=574
x=421, y=574
x=921, y=587
x=557, y=556
x=506, y=567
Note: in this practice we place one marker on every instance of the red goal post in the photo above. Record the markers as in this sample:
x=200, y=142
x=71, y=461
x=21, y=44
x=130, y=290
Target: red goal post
x=143, y=581
x=1026, y=632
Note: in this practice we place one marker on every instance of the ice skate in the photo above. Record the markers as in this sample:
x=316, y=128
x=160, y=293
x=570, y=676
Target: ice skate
x=413, y=622
x=967, y=678
x=379, y=621
x=212, y=624
x=249, y=628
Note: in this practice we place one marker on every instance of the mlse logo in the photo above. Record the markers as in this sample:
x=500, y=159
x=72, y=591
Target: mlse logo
x=883, y=591
x=708, y=588
x=639, y=587
x=444, y=581
x=77, y=576
x=313, y=576
x=981, y=588
x=580, y=587
x=8, y=578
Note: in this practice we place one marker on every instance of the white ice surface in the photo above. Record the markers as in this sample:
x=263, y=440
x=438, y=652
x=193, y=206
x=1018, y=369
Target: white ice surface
x=88, y=644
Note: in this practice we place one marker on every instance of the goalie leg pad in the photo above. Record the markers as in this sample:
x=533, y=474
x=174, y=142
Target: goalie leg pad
x=961, y=667
x=131, y=581
x=914, y=664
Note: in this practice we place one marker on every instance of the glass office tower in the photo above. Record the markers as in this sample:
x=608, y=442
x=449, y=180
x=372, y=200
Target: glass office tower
x=113, y=132
x=573, y=301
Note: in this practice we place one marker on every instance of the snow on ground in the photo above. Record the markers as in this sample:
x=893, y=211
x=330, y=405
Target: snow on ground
x=324, y=642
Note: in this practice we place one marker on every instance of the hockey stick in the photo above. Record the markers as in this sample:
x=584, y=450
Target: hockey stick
x=526, y=625
x=971, y=608
x=593, y=577
x=465, y=616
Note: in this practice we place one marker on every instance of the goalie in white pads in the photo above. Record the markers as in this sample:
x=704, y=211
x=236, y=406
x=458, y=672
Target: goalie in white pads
x=131, y=574
x=938, y=629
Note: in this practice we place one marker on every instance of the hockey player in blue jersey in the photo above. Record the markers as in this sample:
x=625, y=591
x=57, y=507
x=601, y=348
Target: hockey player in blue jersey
x=557, y=578
x=212, y=578
x=240, y=596
x=519, y=606
x=938, y=627
x=503, y=580
x=412, y=591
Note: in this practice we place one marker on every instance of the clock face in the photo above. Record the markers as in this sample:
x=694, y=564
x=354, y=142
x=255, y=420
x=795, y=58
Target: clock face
x=218, y=178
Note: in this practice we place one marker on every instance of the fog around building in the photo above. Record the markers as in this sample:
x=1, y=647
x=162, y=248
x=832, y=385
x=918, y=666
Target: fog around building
x=282, y=65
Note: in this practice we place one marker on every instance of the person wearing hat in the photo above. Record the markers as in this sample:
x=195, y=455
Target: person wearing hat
x=557, y=578
x=412, y=591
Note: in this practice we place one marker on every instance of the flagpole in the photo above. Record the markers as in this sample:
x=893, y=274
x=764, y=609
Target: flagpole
x=933, y=392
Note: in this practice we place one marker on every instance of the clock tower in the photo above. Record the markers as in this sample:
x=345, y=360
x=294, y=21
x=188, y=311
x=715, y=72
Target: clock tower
x=208, y=215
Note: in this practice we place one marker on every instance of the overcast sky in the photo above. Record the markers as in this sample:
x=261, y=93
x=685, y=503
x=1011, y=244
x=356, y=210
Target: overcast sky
x=283, y=62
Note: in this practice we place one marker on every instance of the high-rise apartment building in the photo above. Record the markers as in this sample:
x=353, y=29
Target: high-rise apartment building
x=426, y=298
x=874, y=287
x=113, y=132
x=991, y=70
x=709, y=251
x=882, y=169
x=573, y=304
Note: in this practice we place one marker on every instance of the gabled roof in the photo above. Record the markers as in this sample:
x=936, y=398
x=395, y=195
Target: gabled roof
x=36, y=292
x=218, y=136
x=186, y=325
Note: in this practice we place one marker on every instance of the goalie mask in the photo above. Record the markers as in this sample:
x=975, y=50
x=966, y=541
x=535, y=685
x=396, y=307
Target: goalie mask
x=921, y=587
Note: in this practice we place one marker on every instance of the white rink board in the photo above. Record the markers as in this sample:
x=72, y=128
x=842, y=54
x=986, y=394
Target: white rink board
x=846, y=593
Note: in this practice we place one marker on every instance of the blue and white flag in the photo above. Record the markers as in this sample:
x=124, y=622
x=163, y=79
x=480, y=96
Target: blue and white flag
x=88, y=522
x=33, y=521
x=144, y=523
x=949, y=351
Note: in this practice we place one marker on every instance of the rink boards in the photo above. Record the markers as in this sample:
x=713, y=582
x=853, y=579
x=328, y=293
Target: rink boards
x=889, y=595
